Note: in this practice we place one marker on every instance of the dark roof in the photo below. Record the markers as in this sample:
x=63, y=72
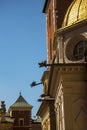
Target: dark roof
x=45, y=5
x=21, y=102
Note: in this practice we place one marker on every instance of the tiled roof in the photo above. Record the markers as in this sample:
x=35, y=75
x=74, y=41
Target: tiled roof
x=21, y=102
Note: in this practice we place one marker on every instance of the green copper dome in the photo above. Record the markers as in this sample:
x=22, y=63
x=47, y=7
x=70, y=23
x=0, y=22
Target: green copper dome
x=21, y=102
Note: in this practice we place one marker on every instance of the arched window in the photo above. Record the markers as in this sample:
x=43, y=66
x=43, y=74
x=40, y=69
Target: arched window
x=79, y=50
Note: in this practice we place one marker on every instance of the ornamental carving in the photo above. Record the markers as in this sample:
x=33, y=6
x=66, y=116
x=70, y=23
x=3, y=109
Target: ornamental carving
x=59, y=109
x=80, y=112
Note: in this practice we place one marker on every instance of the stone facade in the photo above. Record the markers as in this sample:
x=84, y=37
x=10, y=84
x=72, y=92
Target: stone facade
x=65, y=102
x=6, y=121
x=70, y=96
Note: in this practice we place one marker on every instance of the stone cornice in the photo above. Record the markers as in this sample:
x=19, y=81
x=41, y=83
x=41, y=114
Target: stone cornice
x=45, y=6
x=42, y=107
x=72, y=27
x=61, y=69
x=62, y=31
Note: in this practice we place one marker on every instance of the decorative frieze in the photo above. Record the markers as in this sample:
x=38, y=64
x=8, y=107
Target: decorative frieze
x=71, y=68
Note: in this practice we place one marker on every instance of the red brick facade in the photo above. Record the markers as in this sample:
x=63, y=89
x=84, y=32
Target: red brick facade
x=61, y=7
x=22, y=119
x=55, y=12
x=21, y=112
x=50, y=29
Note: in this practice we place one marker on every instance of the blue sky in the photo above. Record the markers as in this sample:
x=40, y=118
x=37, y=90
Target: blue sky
x=22, y=46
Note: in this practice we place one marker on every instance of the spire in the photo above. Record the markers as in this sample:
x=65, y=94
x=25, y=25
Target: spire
x=20, y=93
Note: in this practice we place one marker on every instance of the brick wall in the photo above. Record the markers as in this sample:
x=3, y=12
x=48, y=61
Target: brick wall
x=36, y=126
x=18, y=115
x=62, y=6
x=50, y=30
x=54, y=21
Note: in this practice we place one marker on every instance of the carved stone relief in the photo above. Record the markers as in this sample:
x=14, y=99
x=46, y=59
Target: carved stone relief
x=80, y=113
x=60, y=49
x=59, y=109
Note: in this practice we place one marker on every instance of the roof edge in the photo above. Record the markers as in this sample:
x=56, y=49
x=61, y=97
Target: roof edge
x=21, y=102
x=45, y=6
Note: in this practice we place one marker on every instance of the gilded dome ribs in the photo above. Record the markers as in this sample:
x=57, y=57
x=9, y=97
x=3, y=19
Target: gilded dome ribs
x=78, y=10
x=76, y=13
x=68, y=13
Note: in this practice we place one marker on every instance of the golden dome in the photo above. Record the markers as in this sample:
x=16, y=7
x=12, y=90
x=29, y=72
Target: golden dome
x=76, y=12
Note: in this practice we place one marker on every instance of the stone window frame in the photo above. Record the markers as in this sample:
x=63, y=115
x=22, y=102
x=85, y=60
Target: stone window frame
x=70, y=46
x=21, y=121
x=80, y=49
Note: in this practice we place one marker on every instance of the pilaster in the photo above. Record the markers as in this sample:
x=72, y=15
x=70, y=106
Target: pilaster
x=74, y=84
x=52, y=115
x=71, y=97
